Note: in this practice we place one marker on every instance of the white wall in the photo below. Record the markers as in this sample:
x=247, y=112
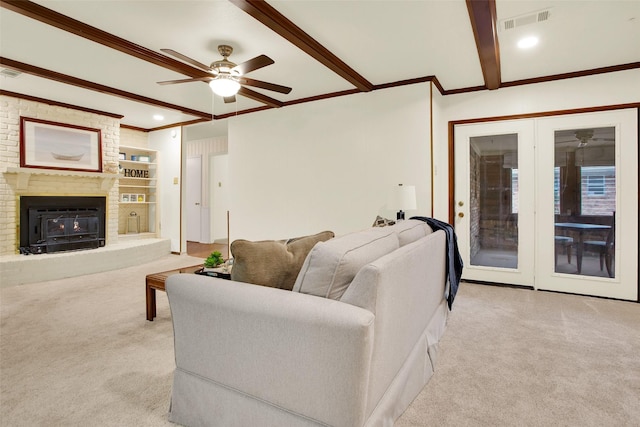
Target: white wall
x=592, y=91
x=168, y=143
x=328, y=164
x=440, y=163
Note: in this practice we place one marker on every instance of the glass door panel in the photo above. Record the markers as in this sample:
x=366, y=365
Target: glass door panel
x=585, y=201
x=494, y=200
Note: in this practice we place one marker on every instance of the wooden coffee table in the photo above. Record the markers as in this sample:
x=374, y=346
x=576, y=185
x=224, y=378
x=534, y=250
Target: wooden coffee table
x=156, y=281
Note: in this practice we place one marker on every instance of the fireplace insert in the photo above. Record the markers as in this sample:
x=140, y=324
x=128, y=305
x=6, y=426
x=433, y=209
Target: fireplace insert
x=53, y=224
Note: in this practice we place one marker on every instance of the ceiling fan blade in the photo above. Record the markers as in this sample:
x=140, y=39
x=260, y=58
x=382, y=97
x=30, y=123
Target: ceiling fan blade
x=187, y=59
x=257, y=96
x=229, y=99
x=264, y=85
x=253, y=64
x=196, y=79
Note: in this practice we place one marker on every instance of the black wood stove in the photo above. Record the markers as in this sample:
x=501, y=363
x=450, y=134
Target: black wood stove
x=54, y=224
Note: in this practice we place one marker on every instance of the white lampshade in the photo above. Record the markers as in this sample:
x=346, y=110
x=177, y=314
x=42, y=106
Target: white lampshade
x=224, y=85
x=406, y=197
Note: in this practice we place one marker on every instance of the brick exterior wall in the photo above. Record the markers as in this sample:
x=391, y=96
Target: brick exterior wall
x=11, y=109
x=474, y=203
x=603, y=204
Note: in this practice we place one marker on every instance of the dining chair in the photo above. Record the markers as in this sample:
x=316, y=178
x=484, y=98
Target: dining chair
x=605, y=248
x=566, y=243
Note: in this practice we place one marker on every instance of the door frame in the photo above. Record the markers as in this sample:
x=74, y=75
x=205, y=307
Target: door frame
x=451, y=143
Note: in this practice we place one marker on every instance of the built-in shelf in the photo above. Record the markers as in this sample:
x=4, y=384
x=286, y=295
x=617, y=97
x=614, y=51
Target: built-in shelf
x=24, y=175
x=136, y=162
x=121, y=176
x=140, y=185
x=135, y=236
x=137, y=203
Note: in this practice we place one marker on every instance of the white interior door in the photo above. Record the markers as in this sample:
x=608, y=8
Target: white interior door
x=494, y=191
x=219, y=196
x=587, y=195
x=194, y=198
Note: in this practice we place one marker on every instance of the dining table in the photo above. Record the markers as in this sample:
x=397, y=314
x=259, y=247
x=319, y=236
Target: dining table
x=580, y=228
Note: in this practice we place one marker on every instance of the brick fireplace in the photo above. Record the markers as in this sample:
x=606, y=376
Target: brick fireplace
x=68, y=224
x=17, y=184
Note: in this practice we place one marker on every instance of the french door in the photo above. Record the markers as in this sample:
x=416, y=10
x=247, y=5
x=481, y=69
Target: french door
x=494, y=189
x=550, y=202
x=591, y=162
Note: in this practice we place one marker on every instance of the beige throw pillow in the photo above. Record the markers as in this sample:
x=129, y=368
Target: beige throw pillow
x=272, y=263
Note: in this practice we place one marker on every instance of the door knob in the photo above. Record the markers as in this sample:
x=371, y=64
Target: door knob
x=460, y=203
x=461, y=214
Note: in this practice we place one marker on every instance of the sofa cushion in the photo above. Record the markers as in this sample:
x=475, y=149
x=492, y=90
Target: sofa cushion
x=331, y=266
x=272, y=263
x=410, y=230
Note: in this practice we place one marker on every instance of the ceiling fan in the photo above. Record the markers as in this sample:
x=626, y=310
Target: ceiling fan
x=227, y=78
x=584, y=136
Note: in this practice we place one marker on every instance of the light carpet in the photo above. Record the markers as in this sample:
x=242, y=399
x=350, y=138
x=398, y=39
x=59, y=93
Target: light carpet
x=80, y=352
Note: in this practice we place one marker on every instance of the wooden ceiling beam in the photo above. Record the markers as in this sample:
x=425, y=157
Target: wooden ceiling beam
x=483, y=16
x=60, y=104
x=63, y=22
x=278, y=23
x=85, y=84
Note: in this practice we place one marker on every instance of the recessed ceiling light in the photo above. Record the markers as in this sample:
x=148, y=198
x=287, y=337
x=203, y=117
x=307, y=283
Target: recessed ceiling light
x=158, y=117
x=527, y=42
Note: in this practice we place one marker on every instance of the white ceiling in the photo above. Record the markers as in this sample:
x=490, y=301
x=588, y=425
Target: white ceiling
x=383, y=41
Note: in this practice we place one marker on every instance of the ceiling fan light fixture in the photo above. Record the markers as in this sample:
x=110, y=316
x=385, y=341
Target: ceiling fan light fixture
x=224, y=85
x=584, y=135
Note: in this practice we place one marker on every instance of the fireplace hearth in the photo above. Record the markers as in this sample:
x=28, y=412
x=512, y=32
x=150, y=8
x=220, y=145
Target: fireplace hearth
x=54, y=224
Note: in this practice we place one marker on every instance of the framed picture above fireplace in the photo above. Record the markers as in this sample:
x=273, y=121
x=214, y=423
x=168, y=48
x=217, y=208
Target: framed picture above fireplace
x=51, y=145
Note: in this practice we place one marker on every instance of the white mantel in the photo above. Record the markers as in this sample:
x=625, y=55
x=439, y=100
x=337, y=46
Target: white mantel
x=106, y=180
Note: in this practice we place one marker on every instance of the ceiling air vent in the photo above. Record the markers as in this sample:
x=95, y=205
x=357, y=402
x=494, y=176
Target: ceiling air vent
x=6, y=72
x=529, y=18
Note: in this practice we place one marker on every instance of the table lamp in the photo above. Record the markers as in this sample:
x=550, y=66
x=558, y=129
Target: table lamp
x=405, y=199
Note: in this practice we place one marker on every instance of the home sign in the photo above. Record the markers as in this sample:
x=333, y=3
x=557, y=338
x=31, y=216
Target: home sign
x=136, y=173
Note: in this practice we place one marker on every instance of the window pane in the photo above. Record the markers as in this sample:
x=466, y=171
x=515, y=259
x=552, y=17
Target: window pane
x=556, y=190
x=598, y=190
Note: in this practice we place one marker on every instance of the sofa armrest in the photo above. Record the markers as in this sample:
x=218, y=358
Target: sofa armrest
x=306, y=354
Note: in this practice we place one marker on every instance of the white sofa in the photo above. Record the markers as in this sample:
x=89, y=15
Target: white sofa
x=352, y=345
